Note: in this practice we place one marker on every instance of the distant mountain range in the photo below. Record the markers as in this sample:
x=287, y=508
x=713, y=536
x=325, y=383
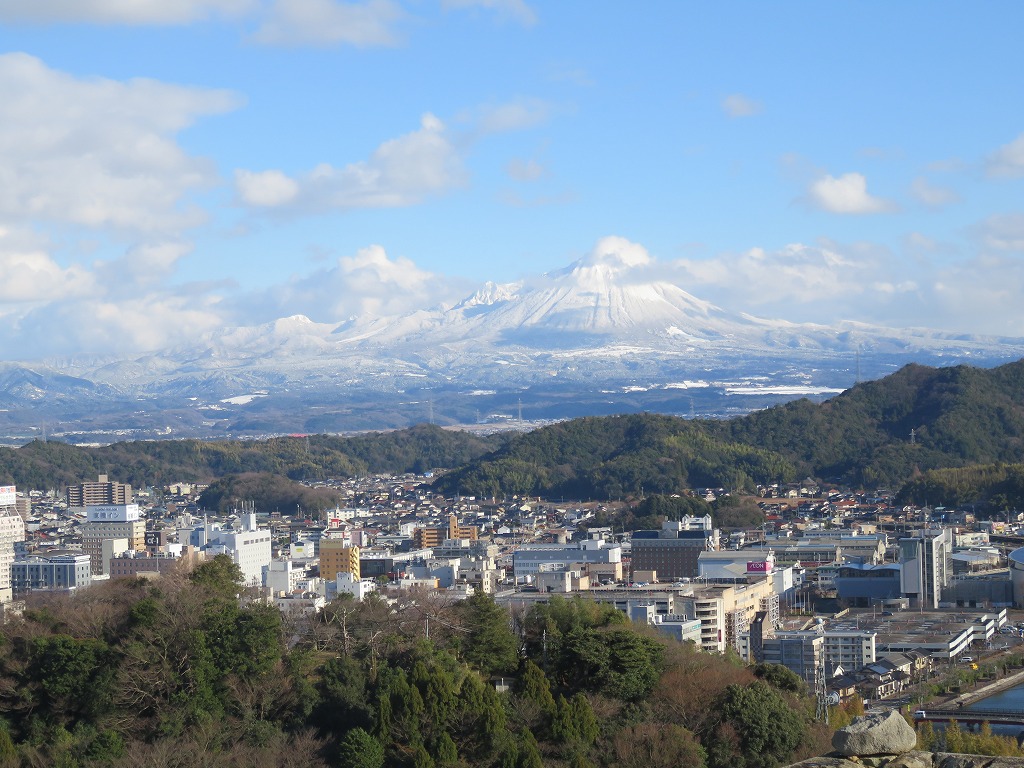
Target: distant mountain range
x=587, y=334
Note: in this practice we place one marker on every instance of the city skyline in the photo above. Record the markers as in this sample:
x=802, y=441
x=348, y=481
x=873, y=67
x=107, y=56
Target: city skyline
x=168, y=170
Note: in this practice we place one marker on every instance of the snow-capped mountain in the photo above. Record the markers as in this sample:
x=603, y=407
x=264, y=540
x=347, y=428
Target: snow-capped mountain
x=594, y=325
x=593, y=316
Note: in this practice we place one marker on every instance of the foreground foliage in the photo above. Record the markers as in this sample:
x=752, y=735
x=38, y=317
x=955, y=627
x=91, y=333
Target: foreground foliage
x=183, y=673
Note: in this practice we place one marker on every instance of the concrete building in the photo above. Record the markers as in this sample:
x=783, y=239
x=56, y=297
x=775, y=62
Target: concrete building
x=336, y=556
x=345, y=583
x=428, y=537
x=250, y=549
x=865, y=585
x=800, y=652
x=1016, y=563
x=283, y=576
x=727, y=611
x=101, y=493
x=679, y=628
x=535, y=558
x=674, y=550
x=53, y=571
x=134, y=564
x=111, y=521
x=843, y=645
x=927, y=565
x=12, y=531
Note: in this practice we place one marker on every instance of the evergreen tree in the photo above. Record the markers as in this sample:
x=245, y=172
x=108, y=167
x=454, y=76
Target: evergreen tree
x=359, y=749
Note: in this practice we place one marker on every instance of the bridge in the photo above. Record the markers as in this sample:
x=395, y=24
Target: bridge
x=970, y=716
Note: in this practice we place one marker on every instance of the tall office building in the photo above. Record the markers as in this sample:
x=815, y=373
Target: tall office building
x=12, y=529
x=101, y=493
x=111, y=521
x=926, y=560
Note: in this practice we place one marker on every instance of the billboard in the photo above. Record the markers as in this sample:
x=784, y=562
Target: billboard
x=8, y=496
x=112, y=513
x=153, y=538
x=759, y=566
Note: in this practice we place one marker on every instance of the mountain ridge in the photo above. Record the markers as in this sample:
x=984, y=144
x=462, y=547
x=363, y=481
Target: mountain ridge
x=600, y=326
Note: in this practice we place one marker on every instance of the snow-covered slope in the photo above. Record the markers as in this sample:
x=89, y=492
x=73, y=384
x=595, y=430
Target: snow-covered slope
x=598, y=319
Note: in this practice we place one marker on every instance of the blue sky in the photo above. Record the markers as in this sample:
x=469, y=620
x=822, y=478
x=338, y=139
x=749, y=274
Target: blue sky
x=172, y=168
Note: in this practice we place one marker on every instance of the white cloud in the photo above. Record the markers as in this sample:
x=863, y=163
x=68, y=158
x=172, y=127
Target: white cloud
x=1008, y=160
x=931, y=195
x=111, y=307
x=794, y=274
x=982, y=295
x=847, y=194
x=738, y=105
x=267, y=189
x=126, y=326
x=1002, y=232
x=328, y=22
x=95, y=152
x=142, y=265
x=515, y=10
x=401, y=172
x=131, y=12
x=367, y=283
x=617, y=252
x=29, y=275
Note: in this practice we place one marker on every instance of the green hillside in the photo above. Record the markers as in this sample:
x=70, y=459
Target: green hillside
x=616, y=456
x=879, y=433
x=54, y=465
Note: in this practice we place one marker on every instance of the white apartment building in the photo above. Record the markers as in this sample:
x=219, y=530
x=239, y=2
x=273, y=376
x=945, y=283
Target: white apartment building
x=12, y=529
x=250, y=549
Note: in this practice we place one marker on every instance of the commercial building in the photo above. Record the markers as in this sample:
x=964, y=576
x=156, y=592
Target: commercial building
x=535, y=558
x=927, y=565
x=674, y=550
x=111, y=521
x=54, y=571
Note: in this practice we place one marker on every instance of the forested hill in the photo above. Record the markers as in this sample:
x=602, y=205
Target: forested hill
x=880, y=433
x=54, y=465
x=613, y=457
x=883, y=432
x=959, y=416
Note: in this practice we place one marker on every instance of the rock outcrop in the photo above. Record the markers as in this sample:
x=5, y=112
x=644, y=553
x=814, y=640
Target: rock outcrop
x=882, y=734
x=888, y=741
